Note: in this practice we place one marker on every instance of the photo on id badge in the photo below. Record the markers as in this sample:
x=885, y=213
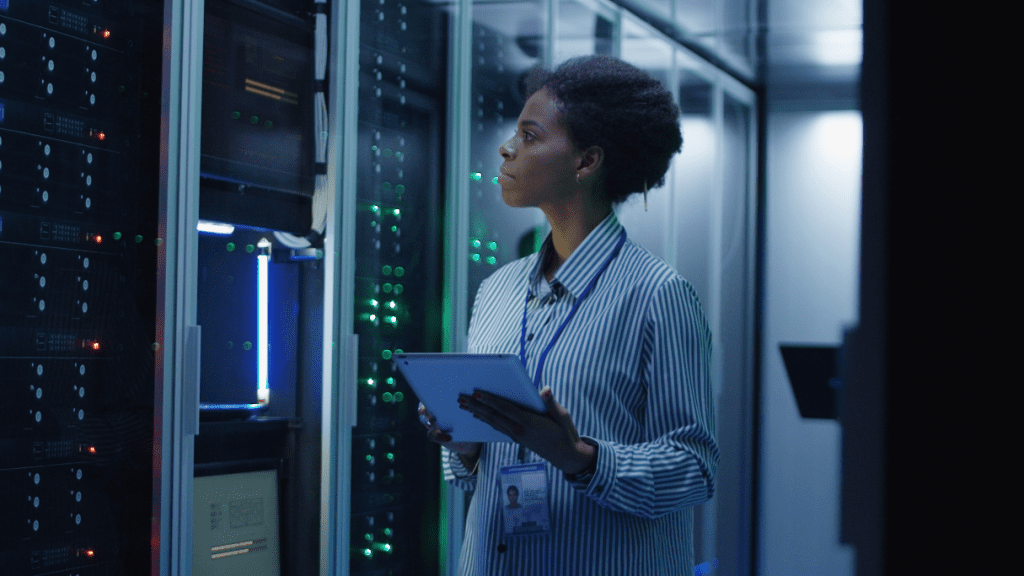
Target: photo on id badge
x=524, y=499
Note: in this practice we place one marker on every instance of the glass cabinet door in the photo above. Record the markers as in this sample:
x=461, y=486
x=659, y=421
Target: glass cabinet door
x=508, y=39
x=584, y=27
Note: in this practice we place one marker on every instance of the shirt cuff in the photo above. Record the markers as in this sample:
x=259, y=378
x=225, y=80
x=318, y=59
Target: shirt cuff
x=581, y=480
x=457, y=468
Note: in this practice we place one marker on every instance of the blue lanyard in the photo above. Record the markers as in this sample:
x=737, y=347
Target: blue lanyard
x=572, y=312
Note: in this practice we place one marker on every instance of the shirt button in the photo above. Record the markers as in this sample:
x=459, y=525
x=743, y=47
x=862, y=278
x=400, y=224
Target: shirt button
x=598, y=489
x=529, y=337
x=502, y=548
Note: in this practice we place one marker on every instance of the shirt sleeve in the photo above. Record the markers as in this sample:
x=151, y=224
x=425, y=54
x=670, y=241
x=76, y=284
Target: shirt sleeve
x=455, y=473
x=451, y=465
x=675, y=467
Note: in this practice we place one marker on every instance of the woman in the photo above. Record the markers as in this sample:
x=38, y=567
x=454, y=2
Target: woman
x=617, y=464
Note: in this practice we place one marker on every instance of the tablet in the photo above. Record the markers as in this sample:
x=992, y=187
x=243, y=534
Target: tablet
x=438, y=379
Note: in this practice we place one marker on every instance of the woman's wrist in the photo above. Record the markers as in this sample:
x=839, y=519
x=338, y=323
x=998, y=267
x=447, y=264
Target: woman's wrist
x=586, y=463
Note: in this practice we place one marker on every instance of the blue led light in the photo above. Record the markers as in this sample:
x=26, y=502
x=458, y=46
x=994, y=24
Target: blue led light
x=1, y=103
x=262, y=298
x=4, y=4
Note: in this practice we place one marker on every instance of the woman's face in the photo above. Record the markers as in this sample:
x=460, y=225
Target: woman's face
x=540, y=159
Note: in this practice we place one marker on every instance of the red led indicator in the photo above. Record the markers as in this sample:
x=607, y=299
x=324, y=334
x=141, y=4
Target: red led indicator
x=95, y=345
x=92, y=450
x=101, y=136
x=98, y=239
x=106, y=33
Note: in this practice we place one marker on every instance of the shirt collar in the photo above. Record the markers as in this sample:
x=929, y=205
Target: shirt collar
x=583, y=263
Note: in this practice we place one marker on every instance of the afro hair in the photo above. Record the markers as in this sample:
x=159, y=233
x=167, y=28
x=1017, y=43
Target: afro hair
x=608, y=103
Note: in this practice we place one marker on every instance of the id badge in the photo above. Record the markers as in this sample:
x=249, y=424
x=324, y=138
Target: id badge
x=524, y=499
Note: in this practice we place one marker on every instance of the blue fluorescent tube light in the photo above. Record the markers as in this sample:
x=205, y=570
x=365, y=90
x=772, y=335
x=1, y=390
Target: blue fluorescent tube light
x=262, y=274
x=215, y=228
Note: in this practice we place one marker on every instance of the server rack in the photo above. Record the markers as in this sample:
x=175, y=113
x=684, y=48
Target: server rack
x=79, y=203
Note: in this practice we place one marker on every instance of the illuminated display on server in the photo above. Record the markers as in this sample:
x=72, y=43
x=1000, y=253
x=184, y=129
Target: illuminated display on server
x=78, y=196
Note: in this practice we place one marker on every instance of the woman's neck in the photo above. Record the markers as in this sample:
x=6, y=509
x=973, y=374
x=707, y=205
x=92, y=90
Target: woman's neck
x=570, y=225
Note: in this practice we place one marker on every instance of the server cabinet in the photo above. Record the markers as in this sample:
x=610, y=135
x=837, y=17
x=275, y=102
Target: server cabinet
x=397, y=285
x=80, y=86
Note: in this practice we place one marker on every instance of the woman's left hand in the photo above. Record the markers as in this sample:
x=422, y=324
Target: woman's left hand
x=552, y=436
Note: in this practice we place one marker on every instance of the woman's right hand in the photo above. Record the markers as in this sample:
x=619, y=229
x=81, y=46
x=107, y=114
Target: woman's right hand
x=468, y=450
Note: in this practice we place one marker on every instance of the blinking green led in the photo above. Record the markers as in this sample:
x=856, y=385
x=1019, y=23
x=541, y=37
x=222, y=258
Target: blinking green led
x=476, y=243
x=368, y=553
x=387, y=397
x=399, y=396
x=236, y=115
x=138, y=238
x=388, y=532
x=492, y=245
x=386, y=270
x=399, y=289
x=117, y=235
x=476, y=176
x=399, y=271
x=494, y=180
x=386, y=354
x=492, y=260
x=249, y=248
x=387, y=288
x=394, y=229
x=475, y=257
x=230, y=246
x=390, y=381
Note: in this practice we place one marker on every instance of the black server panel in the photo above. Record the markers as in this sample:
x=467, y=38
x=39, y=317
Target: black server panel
x=257, y=159
x=78, y=202
x=402, y=83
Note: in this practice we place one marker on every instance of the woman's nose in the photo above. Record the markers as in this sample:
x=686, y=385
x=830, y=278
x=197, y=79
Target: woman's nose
x=508, y=149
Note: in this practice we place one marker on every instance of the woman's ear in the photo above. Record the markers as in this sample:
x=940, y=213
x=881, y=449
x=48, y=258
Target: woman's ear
x=590, y=162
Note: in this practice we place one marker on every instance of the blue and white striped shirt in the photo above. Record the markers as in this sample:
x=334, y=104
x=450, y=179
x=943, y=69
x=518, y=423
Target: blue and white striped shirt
x=632, y=368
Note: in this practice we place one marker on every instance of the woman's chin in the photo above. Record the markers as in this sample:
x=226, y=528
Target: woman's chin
x=511, y=199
